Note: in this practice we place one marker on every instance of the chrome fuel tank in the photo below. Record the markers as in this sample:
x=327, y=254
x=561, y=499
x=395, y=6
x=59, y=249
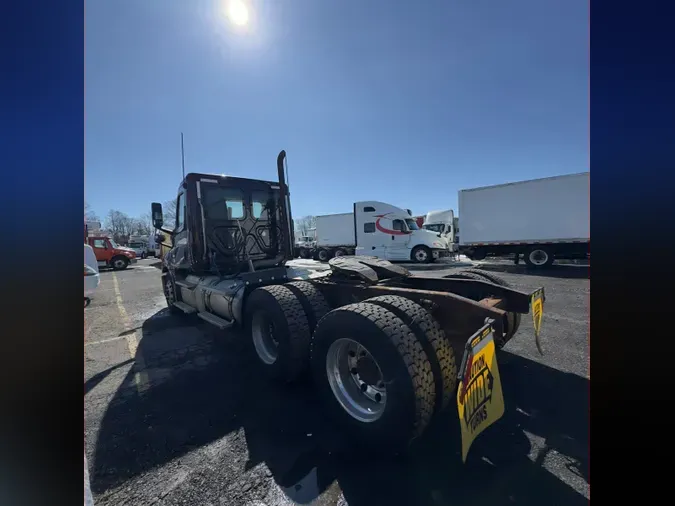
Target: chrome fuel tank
x=212, y=294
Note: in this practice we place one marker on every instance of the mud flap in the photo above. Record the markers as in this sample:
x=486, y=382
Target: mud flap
x=480, y=400
x=537, y=299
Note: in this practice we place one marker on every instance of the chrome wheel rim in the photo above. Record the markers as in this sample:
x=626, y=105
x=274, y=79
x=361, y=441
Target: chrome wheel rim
x=168, y=293
x=119, y=263
x=323, y=255
x=338, y=253
x=538, y=257
x=264, y=341
x=421, y=255
x=356, y=380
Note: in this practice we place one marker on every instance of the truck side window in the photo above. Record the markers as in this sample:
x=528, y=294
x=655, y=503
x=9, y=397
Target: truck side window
x=180, y=212
x=398, y=225
x=99, y=243
x=368, y=209
x=369, y=228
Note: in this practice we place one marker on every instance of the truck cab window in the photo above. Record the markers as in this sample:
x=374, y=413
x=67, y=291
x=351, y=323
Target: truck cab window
x=398, y=225
x=258, y=205
x=411, y=224
x=180, y=212
x=368, y=209
x=223, y=203
x=369, y=228
x=99, y=243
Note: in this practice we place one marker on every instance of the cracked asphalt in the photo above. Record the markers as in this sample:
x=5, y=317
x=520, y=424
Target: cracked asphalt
x=176, y=414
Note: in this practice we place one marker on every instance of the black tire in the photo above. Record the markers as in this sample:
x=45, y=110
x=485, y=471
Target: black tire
x=340, y=252
x=405, y=369
x=170, y=294
x=278, y=306
x=512, y=319
x=304, y=253
x=539, y=252
x=433, y=341
x=119, y=263
x=421, y=255
x=312, y=300
x=323, y=255
x=478, y=255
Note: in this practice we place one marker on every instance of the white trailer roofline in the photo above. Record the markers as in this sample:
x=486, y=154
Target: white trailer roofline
x=526, y=181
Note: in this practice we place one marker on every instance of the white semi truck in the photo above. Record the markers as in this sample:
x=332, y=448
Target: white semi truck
x=377, y=229
x=540, y=219
x=444, y=223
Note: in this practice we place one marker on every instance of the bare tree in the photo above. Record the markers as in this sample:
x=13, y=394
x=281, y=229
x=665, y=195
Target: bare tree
x=119, y=225
x=89, y=214
x=305, y=224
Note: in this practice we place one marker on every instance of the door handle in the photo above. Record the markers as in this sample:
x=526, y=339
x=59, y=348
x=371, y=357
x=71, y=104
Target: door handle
x=392, y=237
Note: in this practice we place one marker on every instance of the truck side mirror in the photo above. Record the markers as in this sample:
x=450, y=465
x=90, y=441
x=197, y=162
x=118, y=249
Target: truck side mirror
x=157, y=215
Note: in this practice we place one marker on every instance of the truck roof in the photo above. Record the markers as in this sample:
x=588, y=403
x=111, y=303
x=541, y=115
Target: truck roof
x=199, y=176
x=526, y=181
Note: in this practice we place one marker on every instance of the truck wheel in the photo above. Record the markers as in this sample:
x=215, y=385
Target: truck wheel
x=170, y=293
x=340, y=252
x=433, y=341
x=312, y=300
x=119, y=263
x=478, y=255
x=323, y=255
x=538, y=257
x=421, y=255
x=512, y=319
x=373, y=375
x=304, y=253
x=279, y=330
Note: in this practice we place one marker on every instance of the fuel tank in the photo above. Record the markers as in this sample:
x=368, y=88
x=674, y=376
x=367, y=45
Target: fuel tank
x=213, y=294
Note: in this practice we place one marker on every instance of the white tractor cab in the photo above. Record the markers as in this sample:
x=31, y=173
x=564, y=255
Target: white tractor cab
x=443, y=222
x=391, y=233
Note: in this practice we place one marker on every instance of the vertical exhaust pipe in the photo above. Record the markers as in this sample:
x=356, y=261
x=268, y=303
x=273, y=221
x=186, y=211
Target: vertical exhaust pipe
x=286, y=204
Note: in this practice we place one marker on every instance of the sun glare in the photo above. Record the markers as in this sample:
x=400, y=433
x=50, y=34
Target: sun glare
x=237, y=12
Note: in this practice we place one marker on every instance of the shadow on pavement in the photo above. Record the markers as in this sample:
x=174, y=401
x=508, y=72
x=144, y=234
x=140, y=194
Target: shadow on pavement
x=204, y=386
x=555, y=271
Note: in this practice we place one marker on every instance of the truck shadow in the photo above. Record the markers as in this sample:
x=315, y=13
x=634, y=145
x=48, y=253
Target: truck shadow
x=554, y=271
x=205, y=387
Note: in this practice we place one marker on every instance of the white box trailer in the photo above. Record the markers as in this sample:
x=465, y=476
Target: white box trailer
x=334, y=235
x=541, y=219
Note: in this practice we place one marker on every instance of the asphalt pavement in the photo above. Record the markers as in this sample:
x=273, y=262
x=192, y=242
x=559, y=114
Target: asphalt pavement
x=175, y=413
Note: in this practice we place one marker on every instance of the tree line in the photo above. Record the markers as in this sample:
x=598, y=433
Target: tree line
x=120, y=225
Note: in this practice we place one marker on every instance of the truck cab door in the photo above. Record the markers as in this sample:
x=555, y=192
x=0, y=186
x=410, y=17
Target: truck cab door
x=102, y=250
x=397, y=245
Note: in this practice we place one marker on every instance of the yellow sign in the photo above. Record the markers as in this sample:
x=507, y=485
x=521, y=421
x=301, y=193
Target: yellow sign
x=537, y=303
x=480, y=400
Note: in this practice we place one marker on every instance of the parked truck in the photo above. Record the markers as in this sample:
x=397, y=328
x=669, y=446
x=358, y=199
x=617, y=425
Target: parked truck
x=387, y=350
x=110, y=254
x=377, y=229
x=443, y=222
x=540, y=219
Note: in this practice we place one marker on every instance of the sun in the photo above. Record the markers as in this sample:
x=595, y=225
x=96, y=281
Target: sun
x=237, y=12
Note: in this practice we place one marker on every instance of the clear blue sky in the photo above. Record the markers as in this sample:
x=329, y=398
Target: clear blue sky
x=404, y=102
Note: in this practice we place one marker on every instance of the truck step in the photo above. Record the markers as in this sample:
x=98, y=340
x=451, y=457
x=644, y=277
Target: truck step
x=187, y=309
x=185, y=284
x=215, y=320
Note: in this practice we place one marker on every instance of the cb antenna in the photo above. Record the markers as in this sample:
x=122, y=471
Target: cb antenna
x=182, y=154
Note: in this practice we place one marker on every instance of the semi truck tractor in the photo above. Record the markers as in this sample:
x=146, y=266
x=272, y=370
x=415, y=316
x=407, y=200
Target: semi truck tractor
x=443, y=222
x=377, y=229
x=540, y=220
x=386, y=350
